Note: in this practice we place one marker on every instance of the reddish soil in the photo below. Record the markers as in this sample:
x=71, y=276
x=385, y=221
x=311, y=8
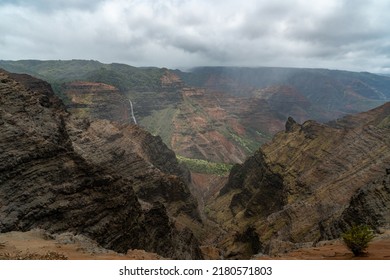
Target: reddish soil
x=17, y=245
x=379, y=249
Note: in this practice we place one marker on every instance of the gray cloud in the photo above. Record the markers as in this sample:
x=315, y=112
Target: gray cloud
x=50, y=5
x=328, y=33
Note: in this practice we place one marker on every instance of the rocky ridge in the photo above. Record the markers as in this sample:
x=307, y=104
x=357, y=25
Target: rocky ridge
x=47, y=182
x=330, y=176
x=143, y=159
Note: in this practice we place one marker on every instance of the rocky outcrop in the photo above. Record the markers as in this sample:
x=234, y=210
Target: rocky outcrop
x=290, y=124
x=159, y=226
x=47, y=182
x=330, y=177
x=132, y=153
x=324, y=166
x=258, y=191
x=370, y=206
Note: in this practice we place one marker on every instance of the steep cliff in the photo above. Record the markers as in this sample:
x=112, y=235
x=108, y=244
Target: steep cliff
x=259, y=191
x=132, y=153
x=46, y=181
x=370, y=205
x=326, y=182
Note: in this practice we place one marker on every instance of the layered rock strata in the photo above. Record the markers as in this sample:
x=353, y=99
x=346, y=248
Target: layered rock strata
x=47, y=182
x=318, y=180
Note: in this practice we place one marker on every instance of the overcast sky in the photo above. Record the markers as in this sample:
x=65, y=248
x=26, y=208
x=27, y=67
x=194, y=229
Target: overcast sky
x=337, y=34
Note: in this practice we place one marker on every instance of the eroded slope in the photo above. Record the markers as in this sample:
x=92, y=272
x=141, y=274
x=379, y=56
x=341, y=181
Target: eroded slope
x=45, y=182
x=329, y=177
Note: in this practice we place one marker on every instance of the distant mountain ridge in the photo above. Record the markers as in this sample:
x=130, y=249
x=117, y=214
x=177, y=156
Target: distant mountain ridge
x=320, y=86
x=219, y=114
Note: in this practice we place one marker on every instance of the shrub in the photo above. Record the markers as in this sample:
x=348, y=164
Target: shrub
x=357, y=238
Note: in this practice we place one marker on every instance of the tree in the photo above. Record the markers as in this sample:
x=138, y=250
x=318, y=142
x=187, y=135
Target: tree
x=357, y=238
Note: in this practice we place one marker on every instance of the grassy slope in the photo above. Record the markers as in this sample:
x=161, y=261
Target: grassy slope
x=160, y=123
x=204, y=166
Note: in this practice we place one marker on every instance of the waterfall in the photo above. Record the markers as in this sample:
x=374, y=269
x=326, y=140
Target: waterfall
x=132, y=111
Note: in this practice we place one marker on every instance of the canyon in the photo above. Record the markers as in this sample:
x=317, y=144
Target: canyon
x=217, y=114
x=232, y=163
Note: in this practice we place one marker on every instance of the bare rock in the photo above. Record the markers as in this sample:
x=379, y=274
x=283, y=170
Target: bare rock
x=46, y=183
x=311, y=182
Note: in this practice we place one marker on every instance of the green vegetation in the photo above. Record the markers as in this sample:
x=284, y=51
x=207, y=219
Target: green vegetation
x=122, y=76
x=127, y=77
x=247, y=142
x=160, y=123
x=385, y=123
x=357, y=238
x=249, y=145
x=53, y=70
x=204, y=166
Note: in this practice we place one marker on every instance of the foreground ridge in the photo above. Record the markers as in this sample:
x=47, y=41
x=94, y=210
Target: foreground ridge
x=45, y=182
x=310, y=183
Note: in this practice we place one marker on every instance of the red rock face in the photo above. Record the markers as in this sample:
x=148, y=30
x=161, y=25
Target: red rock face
x=218, y=127
x=97, y=101
x=209, y=125
x=171, y=80
x=202, y=122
